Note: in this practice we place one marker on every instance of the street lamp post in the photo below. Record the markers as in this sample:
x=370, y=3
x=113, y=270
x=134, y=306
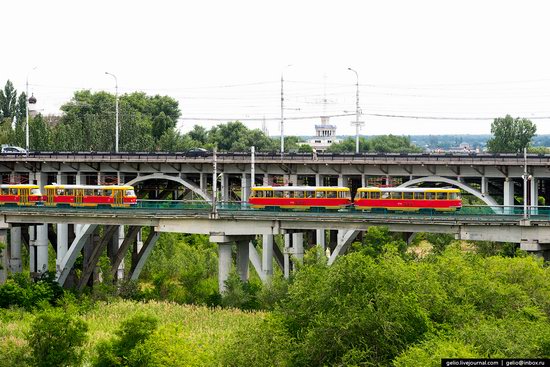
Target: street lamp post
x=27, y=110
x=116, y=110
x=357, y=111
x=282, y=113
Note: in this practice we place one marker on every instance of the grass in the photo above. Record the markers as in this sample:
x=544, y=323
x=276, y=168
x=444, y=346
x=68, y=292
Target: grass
x=194, y=333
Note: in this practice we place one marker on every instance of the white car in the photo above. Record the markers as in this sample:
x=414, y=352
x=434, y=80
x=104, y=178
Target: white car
x=13, y=150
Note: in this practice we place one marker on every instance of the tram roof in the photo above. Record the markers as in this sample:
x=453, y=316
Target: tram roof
x=301, y=188
x=90, y=187
x=408, y=189
x=14, y=186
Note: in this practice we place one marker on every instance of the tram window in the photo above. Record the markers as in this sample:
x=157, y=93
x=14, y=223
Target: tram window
x=396, y=195
x=269, y=194
x=89, y=192
x=35, y=191
x=107, y=192
x=441, y=196
x=375, y=195
x=385, y=195
x=130, y=193
x=419, y=196
x=331, y=194
x=288, y=194
x=341, y=194
x=278, y=194
x=453, y=195
x=310, y=194
x=13, y=191
x=430, y=196
x=3, y=191
x=407, y=195
x=257, y=194
x=320, y=194
x=299, y=194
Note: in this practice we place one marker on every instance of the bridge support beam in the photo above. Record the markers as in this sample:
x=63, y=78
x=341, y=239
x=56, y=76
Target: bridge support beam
x=93, y=259
x=345, y=238
x=143, y=254
x=256, y=261
x=15, y=263
x=74, y=250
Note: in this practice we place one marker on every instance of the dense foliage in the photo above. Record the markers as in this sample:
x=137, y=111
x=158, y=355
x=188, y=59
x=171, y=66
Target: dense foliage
x=385, y=310
x=511, y=135
x=381, y=143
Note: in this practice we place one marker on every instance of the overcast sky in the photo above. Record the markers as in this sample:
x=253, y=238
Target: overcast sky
x=223, y=60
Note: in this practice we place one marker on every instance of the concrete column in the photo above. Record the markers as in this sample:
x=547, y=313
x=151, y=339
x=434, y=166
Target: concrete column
x=15, y=263
x=267, y=255
x=115, y=243
x=245, y=188
x=534, y=192
x=62, y=235
x=484, y=185
x=318, y=180
x=242, y=260
x=42, y=248
x=534, y=195
x=340, y=180
x=363, y=181
x=62, y=245
x=32, y=249
x=79, y=180
x=203, y=179
x=224, y=187
x=388, y=180
x=298, y=246
x=320, y=239
x=508, y=195
x=3, y=255
x=266, y=179
x=293, y=180
x=286, y=255
x=224, y=264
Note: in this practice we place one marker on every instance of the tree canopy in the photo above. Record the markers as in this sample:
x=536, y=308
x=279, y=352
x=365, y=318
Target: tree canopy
x=380, y=143
x=511, y=135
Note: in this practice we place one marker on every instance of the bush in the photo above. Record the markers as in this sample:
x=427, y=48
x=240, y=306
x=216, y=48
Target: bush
x=56, y=339
x=127, y=347
x=20, y=290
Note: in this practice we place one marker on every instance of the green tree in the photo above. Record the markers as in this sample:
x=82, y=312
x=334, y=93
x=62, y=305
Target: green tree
x=199, y=134
x=393, y=143
x=56, y=339
x=348, y=146
x=8, y=101
x=511, y=135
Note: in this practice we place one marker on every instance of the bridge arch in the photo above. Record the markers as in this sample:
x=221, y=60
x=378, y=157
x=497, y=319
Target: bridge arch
x=485, y=198
x=160, y=176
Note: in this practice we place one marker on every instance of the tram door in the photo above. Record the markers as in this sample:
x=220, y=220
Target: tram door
x=78, y=196
x=23, y=196
x=118, y=197
x=49, y=196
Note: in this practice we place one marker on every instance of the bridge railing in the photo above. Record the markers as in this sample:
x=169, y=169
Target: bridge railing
x=499, y=212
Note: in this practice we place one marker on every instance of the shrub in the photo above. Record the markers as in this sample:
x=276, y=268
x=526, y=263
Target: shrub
x=56, y=339
x=127, y=347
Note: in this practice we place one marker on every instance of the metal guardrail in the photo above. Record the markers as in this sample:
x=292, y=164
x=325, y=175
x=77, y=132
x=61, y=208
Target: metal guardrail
x=239, y=209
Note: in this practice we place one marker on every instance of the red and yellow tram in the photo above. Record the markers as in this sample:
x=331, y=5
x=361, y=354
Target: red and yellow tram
x=413, y=199
x=299, y=197
x=20, y=194
x=90, y=195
